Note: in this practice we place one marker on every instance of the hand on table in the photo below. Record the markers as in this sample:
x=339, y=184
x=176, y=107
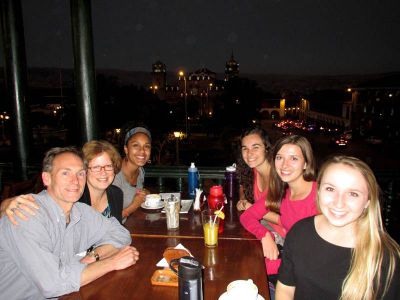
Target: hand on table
x=17, y=205
x=270, y=249
x=124, y=258
x=138, y=199
x=140, y=195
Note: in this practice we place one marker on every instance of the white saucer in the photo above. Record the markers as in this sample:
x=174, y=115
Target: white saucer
x=224, y=296
x=144, y=206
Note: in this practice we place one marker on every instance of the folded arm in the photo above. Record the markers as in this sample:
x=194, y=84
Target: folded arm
x=250, y=219
x=137, y=200
x=117, y=259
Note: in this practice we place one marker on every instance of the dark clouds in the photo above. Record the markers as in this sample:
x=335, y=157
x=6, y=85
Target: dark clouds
x=267, y=36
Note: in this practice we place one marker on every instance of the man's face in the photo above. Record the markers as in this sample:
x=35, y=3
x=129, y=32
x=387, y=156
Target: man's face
x=66, y=181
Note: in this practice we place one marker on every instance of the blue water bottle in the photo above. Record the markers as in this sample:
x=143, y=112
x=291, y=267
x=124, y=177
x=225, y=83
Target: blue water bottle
x=193, y=180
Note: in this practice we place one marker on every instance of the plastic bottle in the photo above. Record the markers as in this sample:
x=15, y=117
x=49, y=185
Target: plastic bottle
x=216, y=201
x=231, y=186
x=193, y=180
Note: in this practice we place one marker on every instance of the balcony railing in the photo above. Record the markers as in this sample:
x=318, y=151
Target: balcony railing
x=171, y=178
x=165, y=178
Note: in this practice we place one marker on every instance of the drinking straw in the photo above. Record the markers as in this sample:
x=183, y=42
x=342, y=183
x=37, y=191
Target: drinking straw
x=216, y=215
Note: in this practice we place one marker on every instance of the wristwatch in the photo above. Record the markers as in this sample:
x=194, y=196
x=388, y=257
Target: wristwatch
x=93, y=253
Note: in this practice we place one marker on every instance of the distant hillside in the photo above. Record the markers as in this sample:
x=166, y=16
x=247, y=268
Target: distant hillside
x=298, y=84
x=274, y=83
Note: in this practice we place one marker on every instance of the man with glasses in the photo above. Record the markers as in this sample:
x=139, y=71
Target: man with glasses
x=46, y=256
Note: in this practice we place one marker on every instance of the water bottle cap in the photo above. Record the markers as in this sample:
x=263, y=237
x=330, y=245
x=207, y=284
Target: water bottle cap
x=231, y=169
x=189, y=268
x=192, y=165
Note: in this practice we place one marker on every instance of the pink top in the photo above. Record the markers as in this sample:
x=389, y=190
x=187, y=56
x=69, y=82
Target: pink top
x=295, y=210
x=291, y=212
x=251, y=217
x=258, y=195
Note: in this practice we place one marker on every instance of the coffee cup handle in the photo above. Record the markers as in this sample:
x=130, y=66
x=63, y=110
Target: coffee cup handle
x=172, y=263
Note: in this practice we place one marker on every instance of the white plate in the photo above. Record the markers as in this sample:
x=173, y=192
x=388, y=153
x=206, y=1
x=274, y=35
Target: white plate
x=160, y=205
x=224, y=296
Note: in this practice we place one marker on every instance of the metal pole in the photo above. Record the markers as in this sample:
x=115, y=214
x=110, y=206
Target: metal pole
x=186, y=113
x=85, y=77
x=15, y=68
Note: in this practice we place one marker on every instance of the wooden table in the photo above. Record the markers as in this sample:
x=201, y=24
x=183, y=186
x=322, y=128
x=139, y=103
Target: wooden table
x=153, y=223
x=233, y=259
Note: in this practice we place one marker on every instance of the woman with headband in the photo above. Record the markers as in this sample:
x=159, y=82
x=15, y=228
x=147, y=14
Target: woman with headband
x=137, y=148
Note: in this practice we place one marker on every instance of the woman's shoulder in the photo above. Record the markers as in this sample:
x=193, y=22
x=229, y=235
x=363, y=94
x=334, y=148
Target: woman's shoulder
x=302, y=225
x=114, y=190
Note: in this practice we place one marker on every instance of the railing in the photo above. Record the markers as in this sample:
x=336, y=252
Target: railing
x=171, y=178
x=175, y=178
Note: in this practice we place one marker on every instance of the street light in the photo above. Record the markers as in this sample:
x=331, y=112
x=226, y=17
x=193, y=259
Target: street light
x=182, y=74
x=177, y=135
x=4, y=117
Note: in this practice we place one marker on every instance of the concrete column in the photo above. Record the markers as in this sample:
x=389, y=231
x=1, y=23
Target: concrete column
x=85, y=76
x=16, y=80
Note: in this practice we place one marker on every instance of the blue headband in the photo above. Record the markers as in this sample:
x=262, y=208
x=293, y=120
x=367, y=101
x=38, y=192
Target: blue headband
x=135, y=130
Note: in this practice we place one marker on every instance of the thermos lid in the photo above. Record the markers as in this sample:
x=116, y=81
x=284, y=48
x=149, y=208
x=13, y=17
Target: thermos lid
x=189, y=268
x=216, y=190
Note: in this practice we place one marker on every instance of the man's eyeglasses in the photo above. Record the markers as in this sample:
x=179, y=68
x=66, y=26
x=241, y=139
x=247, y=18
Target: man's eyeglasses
x=96, y=169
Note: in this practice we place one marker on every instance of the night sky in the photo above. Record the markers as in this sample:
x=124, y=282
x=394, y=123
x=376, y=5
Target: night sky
x=266, y=36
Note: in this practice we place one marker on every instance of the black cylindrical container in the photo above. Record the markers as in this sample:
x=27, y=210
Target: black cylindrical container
x=190, y=278
x=231, y=185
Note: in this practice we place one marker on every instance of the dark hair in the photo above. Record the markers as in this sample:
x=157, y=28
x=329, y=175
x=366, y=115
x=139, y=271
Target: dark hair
x=51, y=154
x=277, y=187
x=245, y=173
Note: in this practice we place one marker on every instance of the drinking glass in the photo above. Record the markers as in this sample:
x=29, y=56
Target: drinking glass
x=210, y=223
x=172, y=208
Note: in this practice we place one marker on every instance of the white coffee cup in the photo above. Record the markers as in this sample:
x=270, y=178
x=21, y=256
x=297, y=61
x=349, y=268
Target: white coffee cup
x=242, y=289
x=152, y=200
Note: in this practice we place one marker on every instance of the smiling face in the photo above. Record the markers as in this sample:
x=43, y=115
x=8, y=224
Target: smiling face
x=253, y=150
x=290, y=163
x=102, y=179
x=138, y=149
x=66, y=180
x=343, y=195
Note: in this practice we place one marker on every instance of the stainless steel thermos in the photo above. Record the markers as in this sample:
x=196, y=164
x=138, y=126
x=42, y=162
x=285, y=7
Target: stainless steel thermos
x=190, y=278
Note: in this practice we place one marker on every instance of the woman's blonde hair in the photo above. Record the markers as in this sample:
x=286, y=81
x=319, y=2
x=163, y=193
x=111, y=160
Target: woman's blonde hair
x=364, y=278
x=94, y=148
